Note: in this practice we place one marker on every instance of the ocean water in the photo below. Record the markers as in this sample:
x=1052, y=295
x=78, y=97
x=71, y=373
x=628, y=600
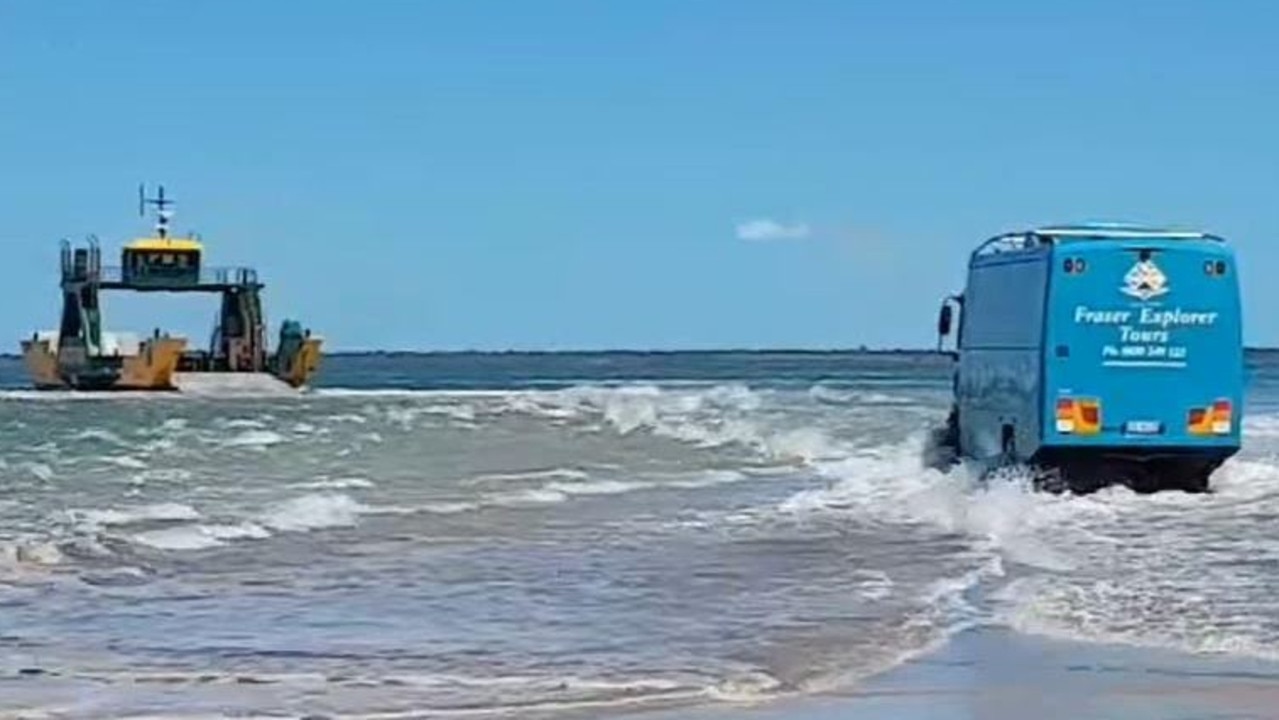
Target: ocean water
x=556, y=535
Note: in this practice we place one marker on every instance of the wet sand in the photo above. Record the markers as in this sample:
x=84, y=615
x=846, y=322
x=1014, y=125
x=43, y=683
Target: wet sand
x=1000, y=675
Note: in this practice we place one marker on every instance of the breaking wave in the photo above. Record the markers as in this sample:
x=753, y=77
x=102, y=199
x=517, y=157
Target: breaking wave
x=779, y=540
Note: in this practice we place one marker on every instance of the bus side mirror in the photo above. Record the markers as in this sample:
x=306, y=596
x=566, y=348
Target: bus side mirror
x=944, y=320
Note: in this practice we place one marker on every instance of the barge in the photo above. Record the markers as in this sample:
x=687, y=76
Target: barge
x=80, y=355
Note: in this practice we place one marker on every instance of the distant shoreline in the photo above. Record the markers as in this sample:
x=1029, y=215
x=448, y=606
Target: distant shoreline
x=632, y=351
x=619, y=351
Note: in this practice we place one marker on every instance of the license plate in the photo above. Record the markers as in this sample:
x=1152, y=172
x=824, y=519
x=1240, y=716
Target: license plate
x=1143, y=427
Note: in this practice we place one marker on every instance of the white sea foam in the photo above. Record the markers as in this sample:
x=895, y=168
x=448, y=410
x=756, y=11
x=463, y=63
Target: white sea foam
x=342, y=483
x=256, y=439
x=125, y=461
x=101, y=435
x=764, y=499
x=30, y=551
x=199, y=537
x=524, y=475
x=309, y=512
x=131, y=515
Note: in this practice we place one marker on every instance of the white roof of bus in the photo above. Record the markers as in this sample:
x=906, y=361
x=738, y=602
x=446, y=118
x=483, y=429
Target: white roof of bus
x=1046, y=236
x=1114, y=230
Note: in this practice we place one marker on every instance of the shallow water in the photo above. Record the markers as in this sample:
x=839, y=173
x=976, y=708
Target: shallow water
x=538, y=535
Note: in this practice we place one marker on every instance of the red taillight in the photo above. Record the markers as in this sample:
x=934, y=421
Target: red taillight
x=1212, y=420
x=1221, y=417
x=1080, y=416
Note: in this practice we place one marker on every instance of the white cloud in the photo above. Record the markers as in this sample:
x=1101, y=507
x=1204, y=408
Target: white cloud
x=765, y=229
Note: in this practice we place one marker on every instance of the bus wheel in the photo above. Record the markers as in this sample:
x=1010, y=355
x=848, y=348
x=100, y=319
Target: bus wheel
x=1187, y=476
x=942, y=449
x=1007, y=445
x=1196, y=483
x=1138, y=478
x=1194, y=479
x=951, y=433
x=1050, y=480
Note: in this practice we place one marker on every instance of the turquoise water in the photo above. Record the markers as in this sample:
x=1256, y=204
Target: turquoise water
x=543, y=535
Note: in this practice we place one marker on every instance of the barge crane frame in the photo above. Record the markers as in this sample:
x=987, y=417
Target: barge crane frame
x=77, y=358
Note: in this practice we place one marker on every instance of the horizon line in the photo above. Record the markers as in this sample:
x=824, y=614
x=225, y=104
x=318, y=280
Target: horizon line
x=860, y=350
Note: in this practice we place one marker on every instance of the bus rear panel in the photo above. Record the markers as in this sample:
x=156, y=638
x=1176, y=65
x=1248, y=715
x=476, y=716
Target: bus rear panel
x=1143, y=357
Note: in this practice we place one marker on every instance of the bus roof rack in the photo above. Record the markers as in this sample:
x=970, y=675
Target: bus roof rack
x=1021, y=240
x=1119, y=229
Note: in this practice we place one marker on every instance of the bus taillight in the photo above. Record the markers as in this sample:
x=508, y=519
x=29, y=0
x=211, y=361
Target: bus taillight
x=1212, y=420
x=1078, y=416
x=1221, y=417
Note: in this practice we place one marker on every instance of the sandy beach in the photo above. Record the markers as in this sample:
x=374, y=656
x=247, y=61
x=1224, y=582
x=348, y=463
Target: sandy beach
x=992, y=674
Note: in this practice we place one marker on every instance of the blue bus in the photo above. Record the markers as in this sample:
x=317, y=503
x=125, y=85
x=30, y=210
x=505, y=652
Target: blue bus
x=1098, y=354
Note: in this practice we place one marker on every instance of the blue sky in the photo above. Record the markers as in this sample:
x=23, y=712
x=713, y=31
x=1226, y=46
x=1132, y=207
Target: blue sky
x=654, y=174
